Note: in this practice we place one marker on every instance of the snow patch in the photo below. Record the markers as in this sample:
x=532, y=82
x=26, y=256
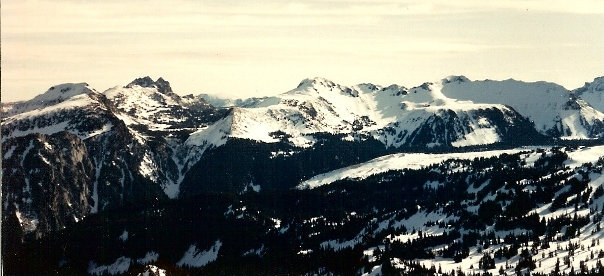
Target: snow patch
x=150, y=257
x=584, y=155
x=480, y=136
x=120, y=266
x=124, y=236
x=305, y=252
x=391, y=162
x=9, y=153
x=28, y=224
x=194, y=258
x=257, y=252
x=152, y=270
x=214, y=135
x=148, y=168
x=251, y=187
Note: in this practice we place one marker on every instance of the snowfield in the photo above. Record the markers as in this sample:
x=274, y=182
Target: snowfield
x=194, y=258
x=402, y=161
x=74, y=159
x=397, y=161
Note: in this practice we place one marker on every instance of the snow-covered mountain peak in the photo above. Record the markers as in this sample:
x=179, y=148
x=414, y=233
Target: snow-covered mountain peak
x=54, y=95
x=322, y=87
x=596, y=85
x=394, y=115
x=154, y=105
x=368, y=87
x=144, y=90
x=308, y=82
x=72, y=107
x=592, y=93
x=226, y=101
x=162, y=85
x=148, y=102
x=454, y=78
x=429, y=94
x=64, y=91
x=551, y=107
x=393, y=89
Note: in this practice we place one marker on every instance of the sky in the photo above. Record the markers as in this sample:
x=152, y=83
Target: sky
x=256, y=48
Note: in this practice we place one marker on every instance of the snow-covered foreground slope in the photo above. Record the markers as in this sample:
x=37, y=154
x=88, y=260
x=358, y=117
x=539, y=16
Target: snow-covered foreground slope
x=559, y=233
x=572, y=241
x=392, y=162
x=414, y=161
x=516, y=210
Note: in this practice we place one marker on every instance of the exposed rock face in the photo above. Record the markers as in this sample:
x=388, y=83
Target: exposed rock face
x=72, y=151
x=49, y=178
x=161, y=85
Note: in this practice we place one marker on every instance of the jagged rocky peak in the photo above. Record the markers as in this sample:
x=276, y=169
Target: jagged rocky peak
x=143, y=82
x=162, y=85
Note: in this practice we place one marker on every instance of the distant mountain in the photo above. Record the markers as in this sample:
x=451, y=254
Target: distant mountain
x=451, y=112
x=592, y=93
x=321, y=172
x=554, y=110
x=87, y=151
x=218, y=101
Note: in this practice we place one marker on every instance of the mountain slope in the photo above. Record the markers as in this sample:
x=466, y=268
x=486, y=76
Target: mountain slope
x=592, y=93
x=67, y=155
x=553, y=109
x=72, y=156
x=219, y=101
x=422, y=118
x=517, y=213
x=86, y=152
x=68, y=107
x=153, y=105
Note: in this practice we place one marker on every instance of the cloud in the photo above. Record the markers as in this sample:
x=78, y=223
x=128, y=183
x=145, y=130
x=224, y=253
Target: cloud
x=238, y=44
x=187, y=15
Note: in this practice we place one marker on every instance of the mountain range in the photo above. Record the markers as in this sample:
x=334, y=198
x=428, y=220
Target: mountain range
x=362, y=174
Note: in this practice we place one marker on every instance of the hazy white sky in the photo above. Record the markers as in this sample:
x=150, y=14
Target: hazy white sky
x=252, y=48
